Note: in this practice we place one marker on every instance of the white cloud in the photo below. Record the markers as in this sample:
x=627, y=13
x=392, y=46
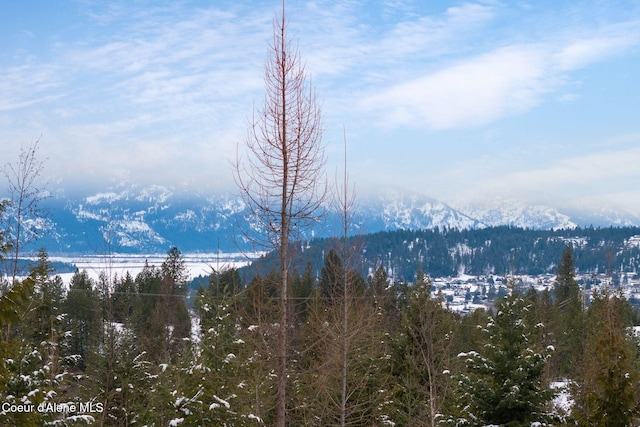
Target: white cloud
x=596, y=45
x=27, y=84
x=604, y=175
x=158, y=97
x=433, y=36
x=162, y=93
x=481, y=88
x=473, y=92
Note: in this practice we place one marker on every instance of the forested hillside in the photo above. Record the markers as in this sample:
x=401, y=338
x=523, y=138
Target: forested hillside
x=493, y=250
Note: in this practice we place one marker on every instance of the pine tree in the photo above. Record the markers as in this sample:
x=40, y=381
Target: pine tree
x=84, y=316
x=607, y=392
x=123, y=298
x=502, y=384
x=30, y=373
x=471, y=334
x=424, y=356
x=27, y=377
x=115, y=376
x=174, y=269
x=215, y=388
x=257, y=315
x=302, y=291
x=543, y=311
x=379, y=282
x=45, y=321
x=331, y=283
x=568, y=326
x=161, y=318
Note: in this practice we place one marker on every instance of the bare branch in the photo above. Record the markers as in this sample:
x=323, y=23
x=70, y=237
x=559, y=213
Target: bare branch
x=25, y=216
x=280, y=175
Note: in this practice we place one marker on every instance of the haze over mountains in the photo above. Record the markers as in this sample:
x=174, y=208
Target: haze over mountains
x=151, y=219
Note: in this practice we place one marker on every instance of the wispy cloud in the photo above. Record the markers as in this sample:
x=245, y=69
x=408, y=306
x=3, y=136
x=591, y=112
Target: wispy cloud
x=588, y=46
x=504, y=81
x=572, y=180
x=431, y=36
x=472, y=92
x=157, y=93
x=347, y=41
x=162, y=92
x=28, y=84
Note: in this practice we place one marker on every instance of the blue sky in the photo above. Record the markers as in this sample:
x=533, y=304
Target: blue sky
x=534, y=100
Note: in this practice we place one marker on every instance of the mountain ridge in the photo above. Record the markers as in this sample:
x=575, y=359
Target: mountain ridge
x=139, y=219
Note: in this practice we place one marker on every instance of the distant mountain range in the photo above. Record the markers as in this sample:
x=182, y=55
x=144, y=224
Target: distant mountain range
x=152, y=219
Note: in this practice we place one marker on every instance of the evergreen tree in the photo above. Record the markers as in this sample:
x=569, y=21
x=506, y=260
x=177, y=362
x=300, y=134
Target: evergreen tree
x=46, y=318
x=27, y=377
x=44, y=323
x=258, y=303
x=302, y=292
x=379, y=281
x=470, y=334
x=502, y=383
x=391, y=297
x=123, y=298
x=216, y=387
x=84, y=316
x=30, y=373
x=115, y=377
x=568, y=326
x=15, y=304
x=148, y=283
x=331, y=283
x=423, y=357
x=170, y=316
x=565, y=286
x=175, y=271
x=161, y=318
x=608, y=390
x=543, y=311
x=258, y=316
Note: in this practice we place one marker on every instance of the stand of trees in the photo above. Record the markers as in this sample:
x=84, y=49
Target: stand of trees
x=493, y=250
x=289, y=347
x=129, y=348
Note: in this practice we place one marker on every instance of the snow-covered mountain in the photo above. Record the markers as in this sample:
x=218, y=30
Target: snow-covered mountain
x=149, y=219
x=516, y=213
x=393, y=209
x=605, y=216
x=152, y=219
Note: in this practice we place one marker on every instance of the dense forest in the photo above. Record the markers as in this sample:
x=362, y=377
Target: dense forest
x=364, y=350
x=480, y=252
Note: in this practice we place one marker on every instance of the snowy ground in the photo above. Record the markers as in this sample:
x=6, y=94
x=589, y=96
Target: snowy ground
x=563, y=401
x=118, y=264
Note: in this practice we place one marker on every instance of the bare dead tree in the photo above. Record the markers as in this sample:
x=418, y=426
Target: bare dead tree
x=345, y=201
x=25, y=194
x=281, y=176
